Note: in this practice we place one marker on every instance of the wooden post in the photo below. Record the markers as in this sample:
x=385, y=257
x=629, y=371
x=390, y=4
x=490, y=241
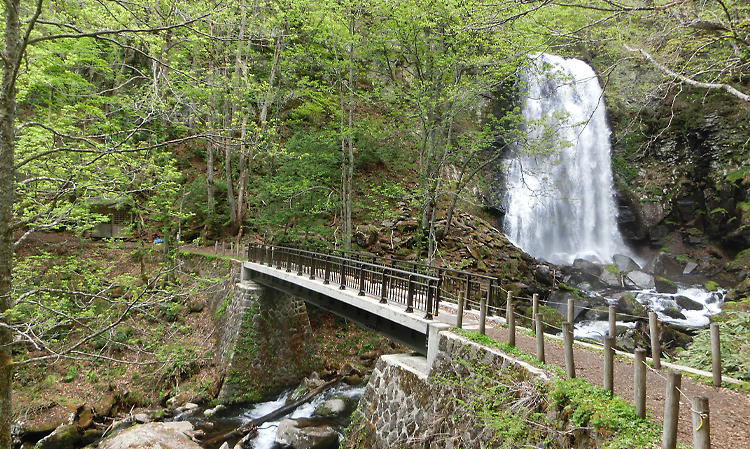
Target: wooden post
x=223, y=248
x=460, y=314
x=510, y=316
x=716, y=354
x=482, y=313
x=639, y=383
x=671, y=410
x=231, y=248
x=655, y=349
x=609, y=355
x=568, y=342
x=216, y=247
x=701, y=423
x=539, y=337
x=612, y=321
x=534, y=304
x=571, y=310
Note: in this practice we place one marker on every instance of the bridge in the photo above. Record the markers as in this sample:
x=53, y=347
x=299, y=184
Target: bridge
x=398, y=299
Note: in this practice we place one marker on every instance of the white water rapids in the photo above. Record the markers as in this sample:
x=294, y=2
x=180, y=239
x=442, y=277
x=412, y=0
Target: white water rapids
x=561, y=207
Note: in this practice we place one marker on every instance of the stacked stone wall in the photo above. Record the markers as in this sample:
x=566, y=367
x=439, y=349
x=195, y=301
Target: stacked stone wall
x=460, y=404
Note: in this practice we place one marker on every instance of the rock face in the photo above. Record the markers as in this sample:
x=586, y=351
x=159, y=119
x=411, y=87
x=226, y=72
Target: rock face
x=153, y=435
x=625, y=263
x=305, y=434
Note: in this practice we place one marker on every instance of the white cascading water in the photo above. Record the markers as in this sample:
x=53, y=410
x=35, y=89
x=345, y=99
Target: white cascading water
x=561, y=207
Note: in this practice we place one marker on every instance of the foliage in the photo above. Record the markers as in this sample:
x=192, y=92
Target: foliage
x=734, y=335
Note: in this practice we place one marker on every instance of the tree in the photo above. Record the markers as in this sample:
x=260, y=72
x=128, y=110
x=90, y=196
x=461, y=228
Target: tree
x=83, y=145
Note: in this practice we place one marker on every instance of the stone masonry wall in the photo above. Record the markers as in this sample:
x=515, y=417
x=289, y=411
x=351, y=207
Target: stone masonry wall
x=265, y=342
x=476, y=396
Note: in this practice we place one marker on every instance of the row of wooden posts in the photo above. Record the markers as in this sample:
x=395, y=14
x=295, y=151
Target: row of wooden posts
x=700, y=416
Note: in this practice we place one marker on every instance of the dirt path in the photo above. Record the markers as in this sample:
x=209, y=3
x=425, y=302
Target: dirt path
x=729, y=409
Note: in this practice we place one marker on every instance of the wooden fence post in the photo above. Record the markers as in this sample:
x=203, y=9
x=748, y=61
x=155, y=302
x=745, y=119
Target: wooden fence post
x=609, y=355
x=510, y=316
x=223, y=248
x=534, y=304
x=701, y=423
x=539, y=337
x=612, y=321
x=671, y=410
x=639, y=383
x=216, y=247
x=482, y=313
x=716, y=354
x=570, y=367
x=571, y=310
x=655, y=349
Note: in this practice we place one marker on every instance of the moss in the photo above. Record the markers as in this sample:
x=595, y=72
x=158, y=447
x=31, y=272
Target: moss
x=711, y=286
x=612, y=268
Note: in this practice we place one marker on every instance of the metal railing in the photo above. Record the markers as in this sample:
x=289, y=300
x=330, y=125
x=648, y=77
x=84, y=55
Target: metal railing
x=453, y=283
x=388, y=283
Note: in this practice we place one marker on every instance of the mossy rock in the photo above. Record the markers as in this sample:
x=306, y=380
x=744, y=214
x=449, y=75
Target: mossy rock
x=687, y=303
x=675, y=313
x=665, y=285
x=630, y=308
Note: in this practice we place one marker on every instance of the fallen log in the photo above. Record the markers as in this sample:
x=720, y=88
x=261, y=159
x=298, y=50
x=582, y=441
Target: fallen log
x=285, y=410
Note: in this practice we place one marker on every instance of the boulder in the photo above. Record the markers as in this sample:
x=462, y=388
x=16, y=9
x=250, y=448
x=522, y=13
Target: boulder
x=689, y=268
x=365, y=236
x=304, y=434
x=610, y=279
x=69, y=436
x=559, y=301
x=163, y=435
x=332, y=407
x=307, y=385
x=625, y=263
x=665, y=285
x=688, y=304
x=588, y=267
x=598, y=313
x=663, y=265
x=638, y=280
x=630, y=308
x=673, y=312
x=543, y=275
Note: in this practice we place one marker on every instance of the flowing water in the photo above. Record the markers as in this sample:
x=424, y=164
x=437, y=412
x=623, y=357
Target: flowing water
x=236, y=416
x=561, y=206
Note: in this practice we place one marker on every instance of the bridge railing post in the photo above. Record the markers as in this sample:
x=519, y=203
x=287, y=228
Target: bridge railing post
x=430, y=295
x=343, y=274
x=361, y=279
x=410, y=295
x=313, y=263
x=384, y=288
x=327, y=275
x=288, y=261
x=467, y=306
x=300, y=256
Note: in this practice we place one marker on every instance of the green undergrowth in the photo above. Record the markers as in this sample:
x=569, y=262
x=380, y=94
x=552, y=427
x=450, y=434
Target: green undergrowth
x=575, y=402
x=734, y=335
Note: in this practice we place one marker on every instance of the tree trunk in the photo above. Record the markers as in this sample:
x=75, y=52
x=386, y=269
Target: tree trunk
x=11, y=58
x=210, y=202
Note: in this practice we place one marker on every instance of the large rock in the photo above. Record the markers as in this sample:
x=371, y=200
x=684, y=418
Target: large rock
x=688, y=304
x=663, y=265
x=559, y=301
x=630, y=308
x=625, y=263
x=153, y=435
x=332, y=407
x=69, y=436
x=638, y=280
x=305, y=434
x=365, y=236
x=665, y=285
x=610, y=279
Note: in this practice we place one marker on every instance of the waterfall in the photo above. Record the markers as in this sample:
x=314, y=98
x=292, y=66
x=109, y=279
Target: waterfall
x=560, y=205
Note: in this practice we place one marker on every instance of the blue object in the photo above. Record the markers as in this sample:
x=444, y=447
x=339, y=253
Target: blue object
x=158, y=240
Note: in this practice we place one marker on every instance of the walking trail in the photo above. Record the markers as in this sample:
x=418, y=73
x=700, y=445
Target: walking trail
x=729, y=409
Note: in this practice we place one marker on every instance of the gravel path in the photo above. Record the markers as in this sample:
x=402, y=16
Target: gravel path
x=729, y=409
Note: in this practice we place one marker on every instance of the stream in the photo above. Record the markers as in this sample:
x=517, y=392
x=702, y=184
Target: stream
x=235, y=416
